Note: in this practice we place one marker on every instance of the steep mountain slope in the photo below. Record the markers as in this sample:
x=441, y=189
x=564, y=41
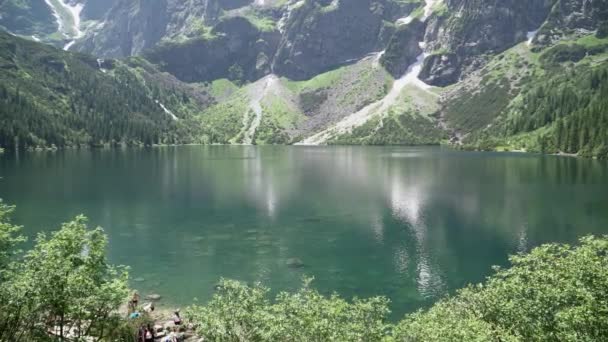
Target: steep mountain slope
x=548, y=101
x=480, y=74
x=28, y=18
x=49, y=97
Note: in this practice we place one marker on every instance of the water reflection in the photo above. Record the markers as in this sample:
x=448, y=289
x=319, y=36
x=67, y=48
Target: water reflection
x=409, y=223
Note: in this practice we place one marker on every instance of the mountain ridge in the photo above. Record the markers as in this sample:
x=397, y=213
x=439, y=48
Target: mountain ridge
x=366, y=72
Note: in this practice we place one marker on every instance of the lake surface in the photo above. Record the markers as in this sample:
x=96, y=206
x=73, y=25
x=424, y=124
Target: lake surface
x=409, y=223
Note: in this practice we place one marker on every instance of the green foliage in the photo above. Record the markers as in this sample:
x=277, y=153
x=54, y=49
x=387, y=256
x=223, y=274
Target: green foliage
x=475, y=110
x=554, y=293
x=222, y=123
x=260, y=19
x=242, y=313
x=236, y=74
x=574, y=104
x=63, y=286
x=278, y=117
x=52, y=98
x=9, y=239
x=561, y=293
x=452, y=319
x=563, y=53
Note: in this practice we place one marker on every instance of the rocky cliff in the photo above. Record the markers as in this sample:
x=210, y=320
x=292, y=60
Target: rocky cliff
x=337, y=71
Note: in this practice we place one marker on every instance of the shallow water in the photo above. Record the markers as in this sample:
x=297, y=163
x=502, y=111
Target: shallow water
x=409, y=223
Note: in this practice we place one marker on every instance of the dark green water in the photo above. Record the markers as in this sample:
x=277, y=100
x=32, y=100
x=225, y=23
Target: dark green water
x=409, y=223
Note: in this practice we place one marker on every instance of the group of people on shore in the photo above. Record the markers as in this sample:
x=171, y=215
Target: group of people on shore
x=150, y=333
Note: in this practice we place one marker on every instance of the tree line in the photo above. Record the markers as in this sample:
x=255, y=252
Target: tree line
x=574, y=105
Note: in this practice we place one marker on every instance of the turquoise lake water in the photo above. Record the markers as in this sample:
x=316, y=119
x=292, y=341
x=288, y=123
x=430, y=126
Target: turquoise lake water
x=412, y=224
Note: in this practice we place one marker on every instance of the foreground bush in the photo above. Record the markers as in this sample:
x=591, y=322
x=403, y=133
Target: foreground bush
x=555, y=293
x=62, y=287
x=64, y=284
x=242, y=313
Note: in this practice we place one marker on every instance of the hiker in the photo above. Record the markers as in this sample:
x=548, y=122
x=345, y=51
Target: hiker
x=149, y=334
x=177, y=320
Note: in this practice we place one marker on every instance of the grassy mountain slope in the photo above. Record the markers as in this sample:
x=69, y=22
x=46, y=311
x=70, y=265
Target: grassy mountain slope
x=552, y=100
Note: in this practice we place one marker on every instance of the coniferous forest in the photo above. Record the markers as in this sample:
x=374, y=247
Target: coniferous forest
x=574, y=106
x=52, y=98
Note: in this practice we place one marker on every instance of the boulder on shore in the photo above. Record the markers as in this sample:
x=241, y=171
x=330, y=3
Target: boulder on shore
x=154, y=297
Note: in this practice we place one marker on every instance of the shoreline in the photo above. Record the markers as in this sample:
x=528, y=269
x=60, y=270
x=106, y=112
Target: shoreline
x=5, y=151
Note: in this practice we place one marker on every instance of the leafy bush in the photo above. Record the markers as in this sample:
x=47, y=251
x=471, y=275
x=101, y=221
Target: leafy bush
x=63, y=286
x=564, y=53
x=555, y=293
x=242, y=313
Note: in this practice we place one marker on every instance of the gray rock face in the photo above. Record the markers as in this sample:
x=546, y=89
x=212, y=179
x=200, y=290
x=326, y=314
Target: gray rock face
x=239, y=52
x=471, y=29
x=130, y=27
x=308, y=39
x=201, y=40
x=320, y=35
x=441, y=69
x=96, y=9
x=569, y=16
x=403, y=48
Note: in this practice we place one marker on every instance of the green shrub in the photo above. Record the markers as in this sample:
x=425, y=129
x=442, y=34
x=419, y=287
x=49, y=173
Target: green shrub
x=63, y=284
x=564, y=53
x=242, y=313
x=555, y=293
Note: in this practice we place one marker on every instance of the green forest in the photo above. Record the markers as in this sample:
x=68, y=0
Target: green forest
x=574, y=105
x=52, y=98
x=560, y=106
